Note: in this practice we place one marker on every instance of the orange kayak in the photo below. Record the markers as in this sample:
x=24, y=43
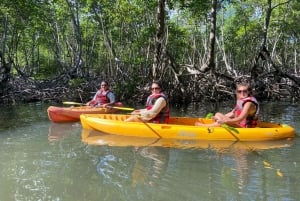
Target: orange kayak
x=72, y=114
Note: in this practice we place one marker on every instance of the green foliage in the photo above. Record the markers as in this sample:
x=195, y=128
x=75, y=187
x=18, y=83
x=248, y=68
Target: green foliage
x=42, y=39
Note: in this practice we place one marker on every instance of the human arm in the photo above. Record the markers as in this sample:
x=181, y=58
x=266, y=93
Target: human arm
x=112, y=99
x=218, y=117
x=230, y=114
x=244, y=113
x=92, y=102
x=159, y=104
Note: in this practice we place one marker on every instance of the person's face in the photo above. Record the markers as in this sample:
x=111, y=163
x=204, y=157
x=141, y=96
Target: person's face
x=155, y=89
x=103, y=86
x=242, y=92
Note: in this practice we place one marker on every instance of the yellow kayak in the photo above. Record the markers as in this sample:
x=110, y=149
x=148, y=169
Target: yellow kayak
x=92, y=137
x=183, y=128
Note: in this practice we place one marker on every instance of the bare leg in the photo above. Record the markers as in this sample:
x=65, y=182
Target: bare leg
x=215, y=124
x=133, y=118
x=217, y=116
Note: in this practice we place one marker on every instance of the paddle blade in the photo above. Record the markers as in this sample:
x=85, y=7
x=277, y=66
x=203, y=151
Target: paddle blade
x=230, y=128
x=209, y=115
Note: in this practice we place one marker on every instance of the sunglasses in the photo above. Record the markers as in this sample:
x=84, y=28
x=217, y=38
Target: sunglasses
x=242, y=91
x=155, y=88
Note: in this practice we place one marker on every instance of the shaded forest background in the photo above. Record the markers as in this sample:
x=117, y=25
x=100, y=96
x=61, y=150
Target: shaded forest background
x=54, y=50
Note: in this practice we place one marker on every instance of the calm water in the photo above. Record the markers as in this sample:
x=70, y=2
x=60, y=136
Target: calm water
x=40, y=160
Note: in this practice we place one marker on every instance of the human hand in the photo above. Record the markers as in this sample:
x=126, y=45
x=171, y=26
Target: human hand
x=90, y=104
x=136, y=112
x=220, y=121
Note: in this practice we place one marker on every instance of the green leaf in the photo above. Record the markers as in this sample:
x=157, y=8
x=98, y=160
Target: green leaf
x=209, y=115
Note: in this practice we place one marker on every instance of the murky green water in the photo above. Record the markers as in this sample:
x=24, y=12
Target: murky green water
x=40, y=160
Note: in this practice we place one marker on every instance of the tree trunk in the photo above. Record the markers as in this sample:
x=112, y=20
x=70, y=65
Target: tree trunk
x=160, y=54
x=264, y=53
x=76, y=46
x=210, y=64
x=5, y=68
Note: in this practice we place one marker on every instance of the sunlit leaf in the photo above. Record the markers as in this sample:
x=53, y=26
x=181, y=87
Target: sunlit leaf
x=266, y=164
x=279, y=173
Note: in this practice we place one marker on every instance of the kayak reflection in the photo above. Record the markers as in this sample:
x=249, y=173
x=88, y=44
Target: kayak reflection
x=59, y=131
x=93, y=137
x=150, y=158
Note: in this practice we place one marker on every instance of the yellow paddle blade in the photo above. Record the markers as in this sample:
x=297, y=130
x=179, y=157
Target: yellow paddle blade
x=123, y=108
x=230, y=128
x=209, y=115
x=72, y=103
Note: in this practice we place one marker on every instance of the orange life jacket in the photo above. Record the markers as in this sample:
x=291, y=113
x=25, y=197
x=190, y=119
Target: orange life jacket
x=251, y=120
x=100, y=98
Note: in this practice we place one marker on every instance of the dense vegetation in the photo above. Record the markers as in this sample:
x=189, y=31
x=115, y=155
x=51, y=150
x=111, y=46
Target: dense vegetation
x=62, y=49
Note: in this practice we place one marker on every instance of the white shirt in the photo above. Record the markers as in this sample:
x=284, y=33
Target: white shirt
x=159, y=104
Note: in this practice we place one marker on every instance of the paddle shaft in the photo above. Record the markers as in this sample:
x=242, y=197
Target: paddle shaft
x=72, y=103
x=230, y=130
x=139, y=117
x=115, y=107
x=122, y=108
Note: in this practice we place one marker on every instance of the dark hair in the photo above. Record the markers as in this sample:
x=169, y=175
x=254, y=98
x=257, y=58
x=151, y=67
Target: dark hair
x=158, y=83
x=103, y=81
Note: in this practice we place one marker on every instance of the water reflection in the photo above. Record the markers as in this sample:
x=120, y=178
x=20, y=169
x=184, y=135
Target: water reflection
x=92, y=137
x=14, y=116
x=235, y=172
x=149, y=166
x=149, y=162
x=58, y=131
x=146, y=167
x=282, y=113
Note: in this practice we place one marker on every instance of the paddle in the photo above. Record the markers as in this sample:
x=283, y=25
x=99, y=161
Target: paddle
x=139, y=117
x=230, y=129
x=115, y=107
x=122, y=108
x=209, y=115
x=72, y=103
